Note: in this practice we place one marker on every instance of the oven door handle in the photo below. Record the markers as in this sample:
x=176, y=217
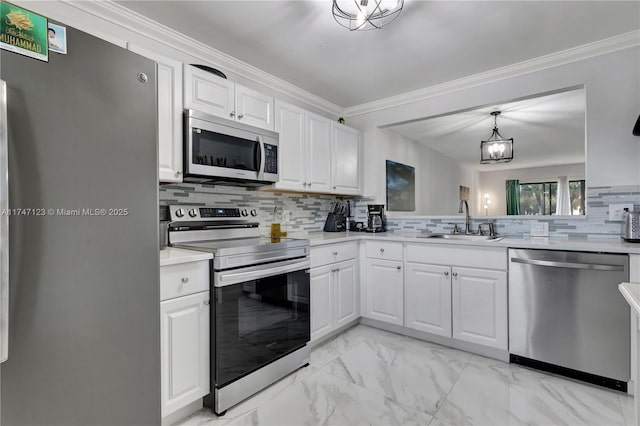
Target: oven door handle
x=222, y=279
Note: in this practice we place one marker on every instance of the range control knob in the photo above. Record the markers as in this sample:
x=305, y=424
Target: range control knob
x=254, y=212
x=244, y=212
x=193, y=213
x=179, y=213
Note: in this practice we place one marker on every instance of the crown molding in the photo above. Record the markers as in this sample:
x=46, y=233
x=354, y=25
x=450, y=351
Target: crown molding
x=140, y=24
x=575, y=54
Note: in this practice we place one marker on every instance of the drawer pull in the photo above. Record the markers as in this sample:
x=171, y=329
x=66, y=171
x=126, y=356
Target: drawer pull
x=335, y=253
x=206, y=302
x=381, y=251
x=455, y=274
x=446, y=274
x=398, y=267
x=184, y=280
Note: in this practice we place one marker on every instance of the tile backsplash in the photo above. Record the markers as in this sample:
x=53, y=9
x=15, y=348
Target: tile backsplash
x=595, y=225
x=309, y=211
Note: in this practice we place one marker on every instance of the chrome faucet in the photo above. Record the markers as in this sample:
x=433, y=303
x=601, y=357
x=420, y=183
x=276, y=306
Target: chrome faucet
x=467, y=219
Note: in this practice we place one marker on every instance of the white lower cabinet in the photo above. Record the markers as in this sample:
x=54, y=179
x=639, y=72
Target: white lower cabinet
x=184, y=339
x=334, y=287
x=427, y=298
x=384, y=291
x=334, y=297
x=467, y=304
x=479, y=307
x=321, y=301
x=345, y=286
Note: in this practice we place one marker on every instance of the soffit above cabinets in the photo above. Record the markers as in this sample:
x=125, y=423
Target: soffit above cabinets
x=431, y=42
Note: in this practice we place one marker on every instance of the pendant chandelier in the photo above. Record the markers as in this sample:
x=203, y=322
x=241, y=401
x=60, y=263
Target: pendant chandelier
x=362, y=15
x=496, y=149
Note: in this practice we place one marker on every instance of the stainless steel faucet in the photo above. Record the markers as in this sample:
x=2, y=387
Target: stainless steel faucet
x=467, y=219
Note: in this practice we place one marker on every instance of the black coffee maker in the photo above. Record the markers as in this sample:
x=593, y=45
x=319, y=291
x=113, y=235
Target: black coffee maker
x=376, y=220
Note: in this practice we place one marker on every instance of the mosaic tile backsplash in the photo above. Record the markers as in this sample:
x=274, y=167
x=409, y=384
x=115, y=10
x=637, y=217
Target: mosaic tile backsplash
x=309, y=211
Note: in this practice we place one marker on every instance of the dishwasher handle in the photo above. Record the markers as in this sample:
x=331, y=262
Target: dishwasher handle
x=569, y=265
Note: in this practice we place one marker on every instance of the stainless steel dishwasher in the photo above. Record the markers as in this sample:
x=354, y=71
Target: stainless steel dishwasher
x=566, y=315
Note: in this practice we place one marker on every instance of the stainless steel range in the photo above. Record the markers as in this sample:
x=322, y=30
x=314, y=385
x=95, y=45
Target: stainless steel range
x=260, y=323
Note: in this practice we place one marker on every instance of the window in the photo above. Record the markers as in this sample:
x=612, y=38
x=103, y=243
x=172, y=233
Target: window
x=540, y=198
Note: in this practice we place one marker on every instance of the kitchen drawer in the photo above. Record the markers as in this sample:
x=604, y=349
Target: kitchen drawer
x=465, y=256
x=384, y=250
x=183, y=278
x=332, y=253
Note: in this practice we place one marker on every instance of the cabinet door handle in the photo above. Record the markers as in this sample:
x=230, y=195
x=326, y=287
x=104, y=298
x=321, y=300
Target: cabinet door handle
x=206, y=302
x=335, y=253
x=232, y=113
x=381, y=251
x=304, y=184
x=398, y=267
x=446, y=274
x=240, y=116
x=309, y=184
x=184, y=280
x=179, y=172
x=455, y=274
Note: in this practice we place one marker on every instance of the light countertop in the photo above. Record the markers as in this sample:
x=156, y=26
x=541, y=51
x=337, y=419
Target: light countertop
x=173, y=256
x=608, y=245
x=631, y=292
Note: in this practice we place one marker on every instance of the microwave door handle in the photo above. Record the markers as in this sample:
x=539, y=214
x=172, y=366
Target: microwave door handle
x=260, y=157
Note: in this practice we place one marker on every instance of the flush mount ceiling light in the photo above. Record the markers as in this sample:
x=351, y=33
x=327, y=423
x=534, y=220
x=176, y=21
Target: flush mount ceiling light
x=496, y=149
x=365, y=15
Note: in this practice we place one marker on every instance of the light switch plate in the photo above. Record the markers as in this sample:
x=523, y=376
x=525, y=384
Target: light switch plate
x=616, y=210
x=539, y=229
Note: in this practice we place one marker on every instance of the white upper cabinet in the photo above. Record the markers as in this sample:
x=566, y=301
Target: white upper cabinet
x=346, y=149
x=316, y=154
x=254, y=108
x=319, y=153
x=169, y=114
x=206, y=92
x=304, y=154
x=292, y=154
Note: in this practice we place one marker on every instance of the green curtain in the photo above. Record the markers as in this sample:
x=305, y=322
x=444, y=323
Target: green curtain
x=513, y=196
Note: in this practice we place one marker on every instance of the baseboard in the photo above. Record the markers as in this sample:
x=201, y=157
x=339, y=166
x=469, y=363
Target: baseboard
x=182, y=413
x=333, y=333
x=444, y=341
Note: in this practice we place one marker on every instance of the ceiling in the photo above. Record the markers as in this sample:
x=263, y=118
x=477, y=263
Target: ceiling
x=429, y=43
x=547, y=130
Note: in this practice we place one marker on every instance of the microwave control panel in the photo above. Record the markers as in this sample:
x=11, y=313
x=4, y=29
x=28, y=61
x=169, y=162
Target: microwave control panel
x=271, y=158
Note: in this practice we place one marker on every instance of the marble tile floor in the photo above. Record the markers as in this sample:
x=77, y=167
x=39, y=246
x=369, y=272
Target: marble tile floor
x=366, y=376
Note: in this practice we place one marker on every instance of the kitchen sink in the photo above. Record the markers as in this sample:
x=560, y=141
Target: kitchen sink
x=467, y=237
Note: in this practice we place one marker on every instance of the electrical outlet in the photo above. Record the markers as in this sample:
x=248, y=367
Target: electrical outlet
x=616, y=210
x=539, y=229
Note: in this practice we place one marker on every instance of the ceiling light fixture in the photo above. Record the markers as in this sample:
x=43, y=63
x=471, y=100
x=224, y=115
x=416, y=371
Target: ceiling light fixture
x=496, y=149
x=362, y=15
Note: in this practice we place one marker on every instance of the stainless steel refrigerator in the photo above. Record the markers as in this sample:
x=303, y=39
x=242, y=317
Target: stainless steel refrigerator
x=84, y=318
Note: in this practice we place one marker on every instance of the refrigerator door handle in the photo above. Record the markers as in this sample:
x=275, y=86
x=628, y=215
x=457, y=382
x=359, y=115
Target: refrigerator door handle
x=4, y=225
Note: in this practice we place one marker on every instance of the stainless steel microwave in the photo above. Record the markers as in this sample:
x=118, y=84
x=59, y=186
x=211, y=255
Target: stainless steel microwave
x=221, y=150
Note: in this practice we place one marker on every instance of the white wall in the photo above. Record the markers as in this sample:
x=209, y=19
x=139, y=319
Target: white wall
x=612, y=85
x=493, y=183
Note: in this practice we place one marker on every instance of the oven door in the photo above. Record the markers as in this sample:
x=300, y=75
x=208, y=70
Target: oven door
x=261, y=313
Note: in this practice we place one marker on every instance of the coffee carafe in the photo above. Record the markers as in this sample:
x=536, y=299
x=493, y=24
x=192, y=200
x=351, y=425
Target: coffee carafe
x=376, y=220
